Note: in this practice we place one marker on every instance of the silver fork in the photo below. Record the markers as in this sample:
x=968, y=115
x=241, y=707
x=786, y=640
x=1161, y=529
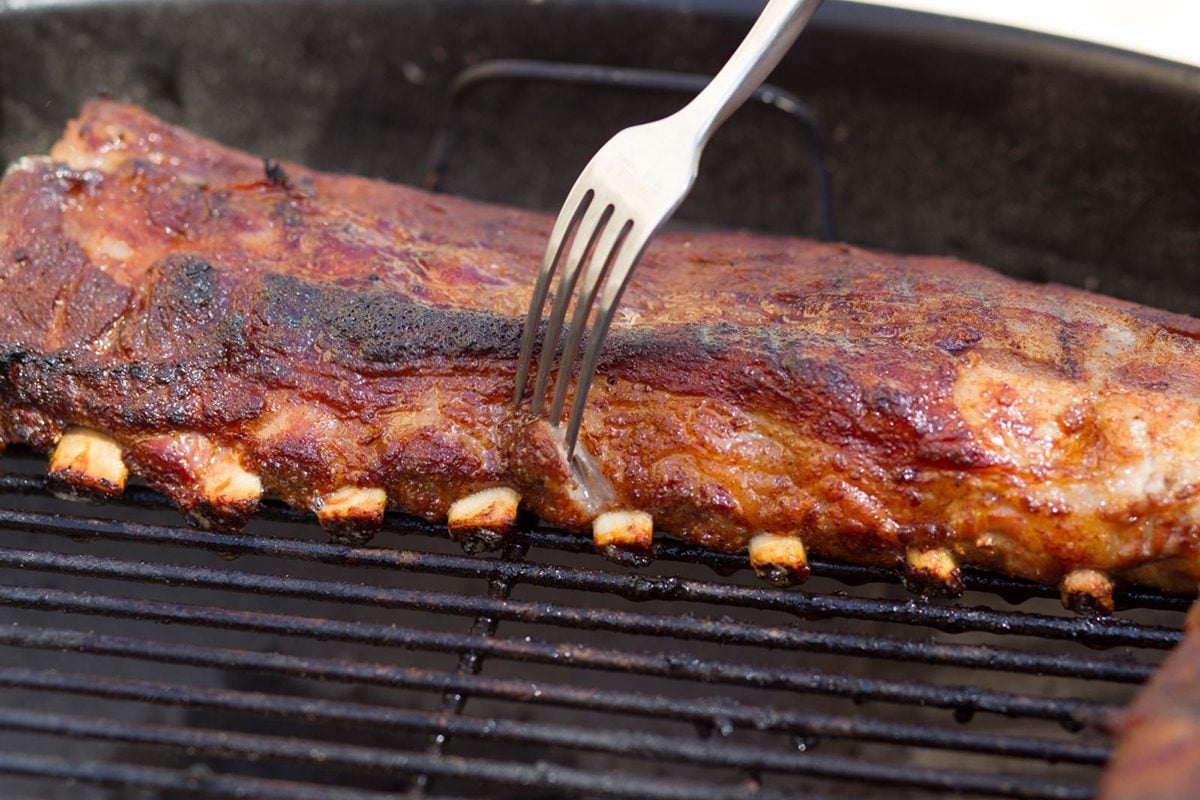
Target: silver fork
x=627, y=191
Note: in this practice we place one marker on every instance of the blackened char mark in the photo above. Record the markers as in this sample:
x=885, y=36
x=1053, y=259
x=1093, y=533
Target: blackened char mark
x=280, y=178
x=959, y=338
x=276, y=174
x=1075, y=337
x=189, y=316
x=74, y=386
x=378, y=327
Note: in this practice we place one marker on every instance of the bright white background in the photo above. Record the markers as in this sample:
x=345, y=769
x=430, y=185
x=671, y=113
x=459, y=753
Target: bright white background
x=1165, y=28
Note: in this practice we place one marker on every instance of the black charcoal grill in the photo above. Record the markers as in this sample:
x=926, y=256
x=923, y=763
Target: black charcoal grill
x=142, y=659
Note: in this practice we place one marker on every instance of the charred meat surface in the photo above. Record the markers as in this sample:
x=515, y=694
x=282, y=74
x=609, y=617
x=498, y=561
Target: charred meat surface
x=1158, y=738
x=227, y=328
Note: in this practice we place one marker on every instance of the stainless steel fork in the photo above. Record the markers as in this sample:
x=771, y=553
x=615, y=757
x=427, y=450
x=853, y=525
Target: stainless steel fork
x=624, y=195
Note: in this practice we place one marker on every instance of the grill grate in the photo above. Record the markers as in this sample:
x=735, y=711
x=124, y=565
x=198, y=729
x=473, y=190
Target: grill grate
x=308, y=669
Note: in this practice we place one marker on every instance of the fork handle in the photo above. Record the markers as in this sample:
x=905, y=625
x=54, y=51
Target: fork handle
x=764, y=46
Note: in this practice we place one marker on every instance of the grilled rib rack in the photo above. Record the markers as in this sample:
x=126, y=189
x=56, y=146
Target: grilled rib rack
x=143, y=654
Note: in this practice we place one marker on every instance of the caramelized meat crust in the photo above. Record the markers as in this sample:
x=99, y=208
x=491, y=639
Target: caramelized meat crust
x=238, y=327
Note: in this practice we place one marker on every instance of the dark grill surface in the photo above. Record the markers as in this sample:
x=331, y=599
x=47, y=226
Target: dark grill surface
x=169, y=662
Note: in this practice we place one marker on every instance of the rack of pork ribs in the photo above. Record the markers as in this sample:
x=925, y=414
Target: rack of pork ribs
x=226, y=328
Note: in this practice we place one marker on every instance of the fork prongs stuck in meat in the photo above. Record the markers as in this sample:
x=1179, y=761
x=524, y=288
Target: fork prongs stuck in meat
x=601, y=251
x=610, y=215
x=632, y=185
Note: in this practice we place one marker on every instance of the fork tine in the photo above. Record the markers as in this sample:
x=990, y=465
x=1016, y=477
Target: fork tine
x=602, y=259
x=588, y=232
x=614, y=287
x=578, y=200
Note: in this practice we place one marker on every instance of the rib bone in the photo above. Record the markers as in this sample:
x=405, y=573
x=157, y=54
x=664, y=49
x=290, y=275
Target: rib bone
x=1088, y=591
x=352, y=514
x=933, y=571
x=480, y=521
x=88, y=462
x=781, y=560
x=624, y=536
x=228, y=490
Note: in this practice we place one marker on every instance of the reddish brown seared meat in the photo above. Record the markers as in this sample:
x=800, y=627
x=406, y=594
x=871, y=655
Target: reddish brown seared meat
x=171, y=309
x=1158, y=737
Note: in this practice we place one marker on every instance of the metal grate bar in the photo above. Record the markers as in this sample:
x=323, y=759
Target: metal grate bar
x=543, y=775
x=230, y=744
x=470, y=662
x=358, y=715
x=496, y=606
x=719, y=713
x=964, y=700
x=617, y=741
x=1096, y=632
x=191, y=782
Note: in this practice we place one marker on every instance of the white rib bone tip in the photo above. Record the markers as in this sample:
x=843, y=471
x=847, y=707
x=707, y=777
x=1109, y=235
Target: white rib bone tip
x=493, y=509
x=227, y=483
x=355, y=506
x=623, y=530
x=779, y=559
x=89, y=461
x=937, y=560
x=933, y=570
x=1088, y=592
